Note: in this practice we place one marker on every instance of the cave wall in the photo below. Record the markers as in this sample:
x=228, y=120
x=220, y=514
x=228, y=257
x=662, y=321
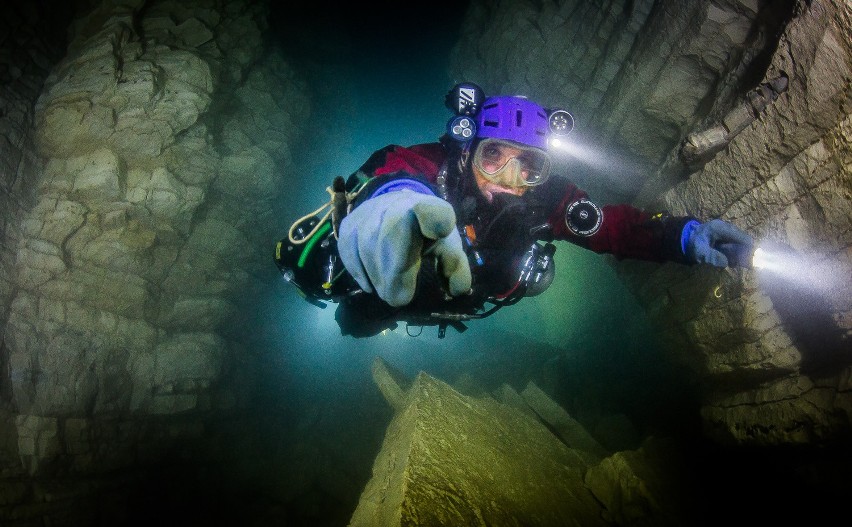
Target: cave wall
x=139, y=174
x=639, y=77
x=143, y=171
x=636, y=75
x=29, y=45
x=774, y=351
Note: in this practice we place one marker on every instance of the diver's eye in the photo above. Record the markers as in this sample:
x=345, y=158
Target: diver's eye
x=492, y=153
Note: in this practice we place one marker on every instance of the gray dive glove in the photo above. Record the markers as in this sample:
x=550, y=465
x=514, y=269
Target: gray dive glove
x=717, y=243
x=381, y=243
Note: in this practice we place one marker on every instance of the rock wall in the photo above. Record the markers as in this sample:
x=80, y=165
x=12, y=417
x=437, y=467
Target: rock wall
x=159, y=141
x=640, y=77
x=24, y=33
x=772, y=345
x=636, y=75
x=514, y=459
x=30, y=33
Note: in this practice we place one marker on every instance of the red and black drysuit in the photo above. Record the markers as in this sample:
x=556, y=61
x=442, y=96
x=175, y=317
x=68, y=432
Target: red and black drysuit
x=499, y=233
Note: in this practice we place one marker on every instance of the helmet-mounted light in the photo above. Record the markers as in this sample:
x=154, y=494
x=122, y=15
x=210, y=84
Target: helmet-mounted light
x=462, y=128
x=560, y=122
x=465, y=101
x=509, y=118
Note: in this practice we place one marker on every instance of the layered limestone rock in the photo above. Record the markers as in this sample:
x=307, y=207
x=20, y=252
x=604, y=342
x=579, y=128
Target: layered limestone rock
x=25, y=32
x=636, y=75
x=159, y=142
x=769, y=349
x=38, y=37
x=772, y=345
x=452, y=459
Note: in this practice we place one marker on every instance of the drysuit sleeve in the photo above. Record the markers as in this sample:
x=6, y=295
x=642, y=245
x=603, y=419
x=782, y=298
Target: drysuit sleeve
x=420, y=162
x=621, y=230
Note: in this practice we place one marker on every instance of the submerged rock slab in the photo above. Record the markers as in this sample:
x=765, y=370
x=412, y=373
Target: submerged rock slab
x=448, y=459
x=453, y=459
x=566, y=427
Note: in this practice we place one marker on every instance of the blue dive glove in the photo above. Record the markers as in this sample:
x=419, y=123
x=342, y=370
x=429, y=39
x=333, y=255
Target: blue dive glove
x=714, y=242
x=381, y=244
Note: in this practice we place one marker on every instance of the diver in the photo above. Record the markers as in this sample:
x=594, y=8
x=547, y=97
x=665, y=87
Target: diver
x=446, y=232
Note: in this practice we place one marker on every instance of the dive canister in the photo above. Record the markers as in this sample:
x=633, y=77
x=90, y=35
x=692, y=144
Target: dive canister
x=312, y=264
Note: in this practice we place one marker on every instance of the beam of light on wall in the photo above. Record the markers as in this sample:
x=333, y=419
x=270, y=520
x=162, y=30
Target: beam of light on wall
x=819, y=274
x=573, y=148
x=808, y=292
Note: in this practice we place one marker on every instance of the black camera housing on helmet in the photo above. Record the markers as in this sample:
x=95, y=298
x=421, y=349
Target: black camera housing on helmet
x=465, y=98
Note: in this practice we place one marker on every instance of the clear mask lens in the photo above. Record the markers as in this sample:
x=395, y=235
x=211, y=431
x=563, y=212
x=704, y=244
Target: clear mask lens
x=510, y=164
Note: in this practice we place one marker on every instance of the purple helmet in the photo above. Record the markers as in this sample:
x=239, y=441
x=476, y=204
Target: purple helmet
x=514, y=118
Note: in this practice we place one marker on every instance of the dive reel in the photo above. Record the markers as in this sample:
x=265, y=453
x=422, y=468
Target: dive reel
x=465, y=101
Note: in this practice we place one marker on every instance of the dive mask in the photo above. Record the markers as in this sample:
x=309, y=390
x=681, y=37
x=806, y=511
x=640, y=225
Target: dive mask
x=510, y=164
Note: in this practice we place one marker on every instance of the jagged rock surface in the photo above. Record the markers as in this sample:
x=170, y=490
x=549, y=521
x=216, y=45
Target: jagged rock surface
x=138, y=180
x=770, y=352
x=772, y=348
x=451, y=459
x=157, y=149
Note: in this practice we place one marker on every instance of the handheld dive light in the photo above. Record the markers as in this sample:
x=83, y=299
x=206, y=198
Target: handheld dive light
x=738, y=254
x=769, y=255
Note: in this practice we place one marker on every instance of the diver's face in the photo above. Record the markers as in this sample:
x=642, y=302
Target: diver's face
x=489, y=188
x=503, y=166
